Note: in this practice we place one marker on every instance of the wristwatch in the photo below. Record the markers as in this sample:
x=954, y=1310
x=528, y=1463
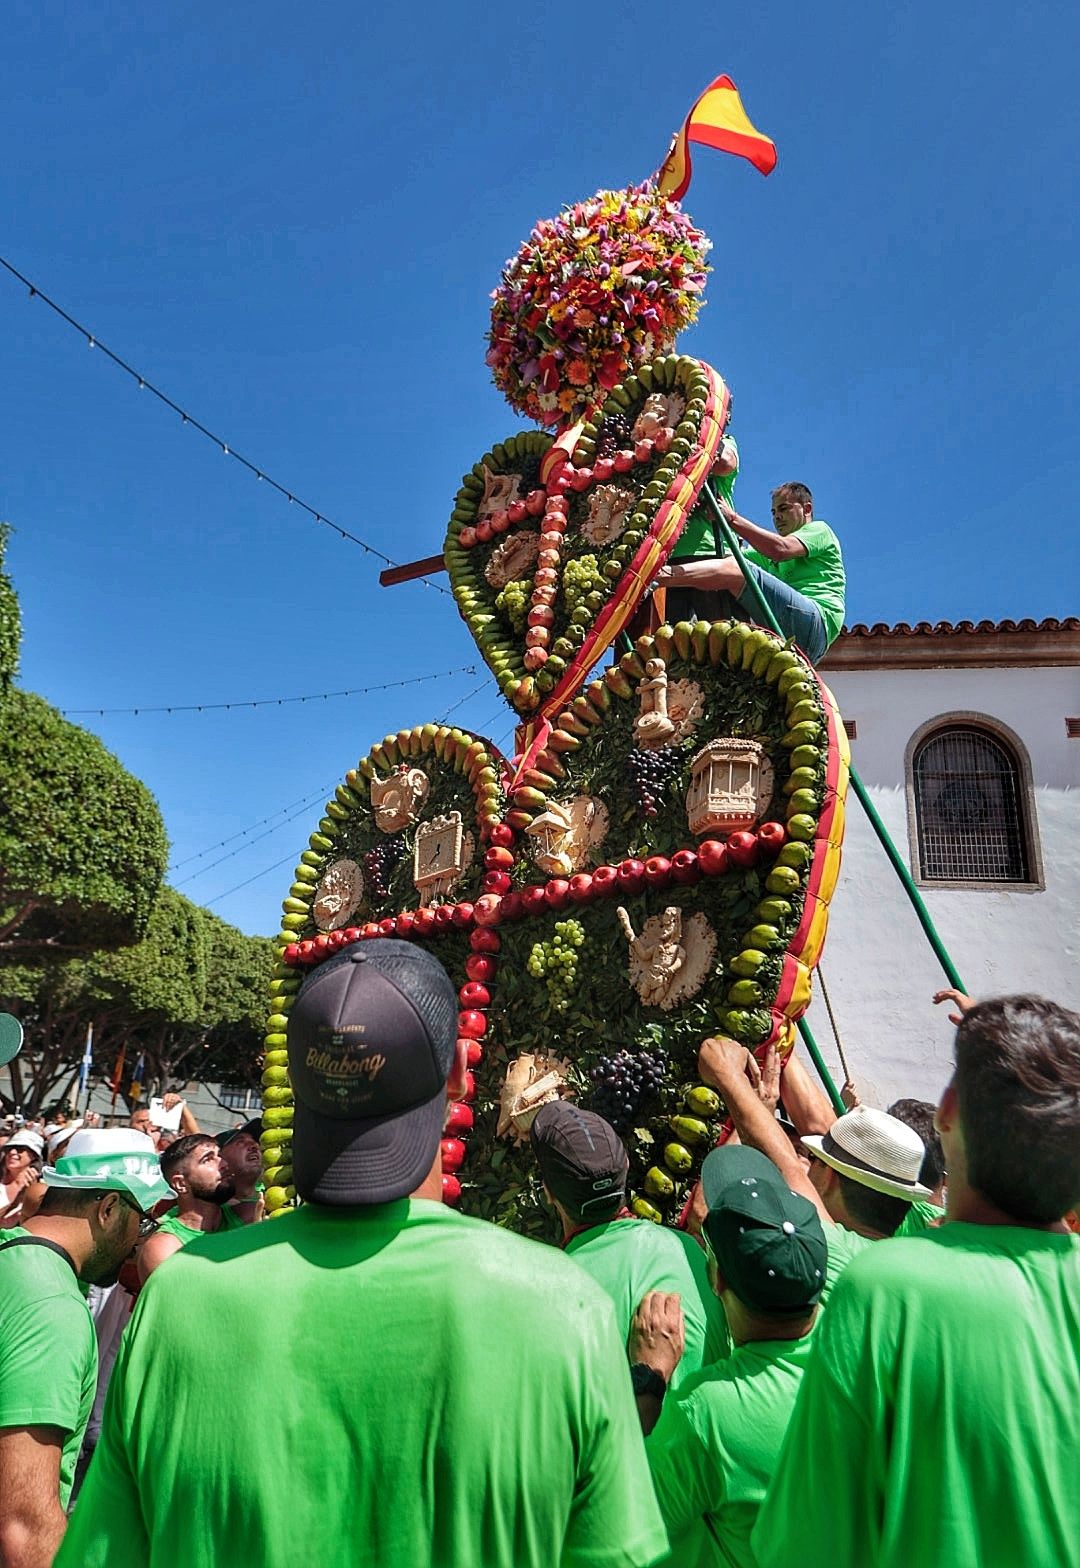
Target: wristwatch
x=646, y=1380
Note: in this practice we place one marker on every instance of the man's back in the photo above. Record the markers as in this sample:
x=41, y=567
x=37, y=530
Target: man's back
x=714, y=1449
x=943, y=1395
x=397, y=1385
x=628, y=1258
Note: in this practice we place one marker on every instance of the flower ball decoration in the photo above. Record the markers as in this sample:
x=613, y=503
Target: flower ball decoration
x=603, y=287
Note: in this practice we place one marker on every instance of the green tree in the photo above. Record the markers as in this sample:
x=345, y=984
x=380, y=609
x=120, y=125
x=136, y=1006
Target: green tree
x=10, y=621
x=82, y=844
x=189, y=998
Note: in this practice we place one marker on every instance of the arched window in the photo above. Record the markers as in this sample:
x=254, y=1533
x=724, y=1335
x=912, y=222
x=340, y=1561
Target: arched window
x=971, y=807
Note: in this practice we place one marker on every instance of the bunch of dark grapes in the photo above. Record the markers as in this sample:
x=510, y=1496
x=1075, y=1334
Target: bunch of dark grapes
x=652, y=772
x=622, y=1083
x=615, y=436
x=529, y=469
x=379, y=866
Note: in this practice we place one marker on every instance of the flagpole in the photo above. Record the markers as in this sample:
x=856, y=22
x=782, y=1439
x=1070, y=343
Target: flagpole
x=84, y=1069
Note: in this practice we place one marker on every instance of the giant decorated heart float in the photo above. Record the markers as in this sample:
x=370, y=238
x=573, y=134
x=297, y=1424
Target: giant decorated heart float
x=655, y=862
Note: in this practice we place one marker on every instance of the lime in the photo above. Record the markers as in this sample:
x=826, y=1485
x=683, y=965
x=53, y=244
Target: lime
x=744, y=993
x=782, y=879
x=748, y=962
x=678, y=1158
x=763, y=937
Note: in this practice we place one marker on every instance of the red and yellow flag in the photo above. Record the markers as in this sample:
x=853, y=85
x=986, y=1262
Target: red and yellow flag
x=718, y=120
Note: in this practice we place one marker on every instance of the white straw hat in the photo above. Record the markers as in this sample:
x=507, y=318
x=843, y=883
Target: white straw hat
x=874, y=1149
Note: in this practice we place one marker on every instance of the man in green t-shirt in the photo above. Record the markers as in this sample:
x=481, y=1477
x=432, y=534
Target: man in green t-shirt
x=242, y=1158
x=799, y=570
x=715, y=1445
x=944, y=1386
x=195, y=1170
x=95, y=1207
x=421, y=1387
x=584, y=1166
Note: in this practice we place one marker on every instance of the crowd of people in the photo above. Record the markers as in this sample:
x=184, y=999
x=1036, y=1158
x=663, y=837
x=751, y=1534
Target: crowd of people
x=863, y=1349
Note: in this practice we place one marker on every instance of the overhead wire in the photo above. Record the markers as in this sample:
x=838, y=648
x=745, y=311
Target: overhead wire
x=272, y=702
x=227, y=449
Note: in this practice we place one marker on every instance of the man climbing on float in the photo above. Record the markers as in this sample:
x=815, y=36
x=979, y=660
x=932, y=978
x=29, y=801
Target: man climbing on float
x=799, y=570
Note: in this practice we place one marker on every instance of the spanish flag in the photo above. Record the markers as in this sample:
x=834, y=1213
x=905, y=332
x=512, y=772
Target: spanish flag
x=718, y=120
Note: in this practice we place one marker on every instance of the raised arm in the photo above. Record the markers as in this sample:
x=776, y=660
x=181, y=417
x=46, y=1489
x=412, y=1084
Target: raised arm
x=722, y=1063
x=805, y=1102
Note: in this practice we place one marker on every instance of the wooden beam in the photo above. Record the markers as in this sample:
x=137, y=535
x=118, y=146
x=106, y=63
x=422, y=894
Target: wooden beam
x=411, y=570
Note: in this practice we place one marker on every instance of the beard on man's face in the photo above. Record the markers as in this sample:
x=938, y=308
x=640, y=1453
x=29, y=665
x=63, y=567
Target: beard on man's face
x=219, y=1193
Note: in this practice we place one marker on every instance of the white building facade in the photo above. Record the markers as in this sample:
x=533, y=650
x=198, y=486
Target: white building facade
x=967, y=738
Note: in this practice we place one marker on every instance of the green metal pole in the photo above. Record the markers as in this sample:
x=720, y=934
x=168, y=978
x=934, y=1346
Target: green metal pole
x=899, y=865
x=819, y=1062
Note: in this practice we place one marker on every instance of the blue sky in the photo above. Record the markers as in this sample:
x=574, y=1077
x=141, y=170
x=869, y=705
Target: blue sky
x=289, y=218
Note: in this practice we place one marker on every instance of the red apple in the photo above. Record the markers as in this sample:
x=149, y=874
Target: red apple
x=663, y=438
x=533, y=898
x=684, y=866
x=631, y=874
x=643, y=450
x=501, y=836
x=472, y=1024
x=484, y=941
x=405, y=923
x=658, y=871
x=423, y=921
x=605, y=881
x=321, y=944
x=466, y=537
x=771, y=837
x=480, y=966
x=487, y=911
x=291, y=954
x=470, y=1086
x=516, y=511
x=581, y=888
x=496, y=882
x=603, y=469
x=535, y=502
x=451, y=1189
x=388, y=927
x=497, y=858
x=556, y=892
x=580, y=479
x=473, y=994
x=624, y=461
x=500, y=522
x=453, y=1152
x=712, y=857
x=559, y=503
x=512, y=907
x=305, y=952
x=464, y=914
x=742, y=849
x=369, y=930
x=459, y=1118
x=352, y=933
x=474, y=1053
x=559, y=485
x=484, y=530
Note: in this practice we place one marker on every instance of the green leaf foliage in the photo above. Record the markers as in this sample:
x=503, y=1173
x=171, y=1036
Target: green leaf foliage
x=10, y=620
x=82, y=844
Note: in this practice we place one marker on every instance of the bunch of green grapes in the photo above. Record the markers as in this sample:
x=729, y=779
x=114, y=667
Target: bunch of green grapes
x=585, y=588
x=556, y=961
x=513, y=602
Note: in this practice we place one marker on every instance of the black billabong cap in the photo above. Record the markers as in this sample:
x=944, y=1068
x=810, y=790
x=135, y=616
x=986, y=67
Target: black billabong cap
x=371, y=1042
x=768, y=1241
x=581, y=1158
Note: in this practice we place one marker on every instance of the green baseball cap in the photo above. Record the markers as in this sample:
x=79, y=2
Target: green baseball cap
x=767, y=1240
x=114, y=1159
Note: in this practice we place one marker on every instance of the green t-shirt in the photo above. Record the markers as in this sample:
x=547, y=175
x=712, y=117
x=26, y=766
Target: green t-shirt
x=818, y=575
x=943, y=1397
x=173, y=1226
x=713, y=1451
x=844, y=1244
x=628, y=1258
x=399, y=1385
x=698, y=538
x=48, y=1350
